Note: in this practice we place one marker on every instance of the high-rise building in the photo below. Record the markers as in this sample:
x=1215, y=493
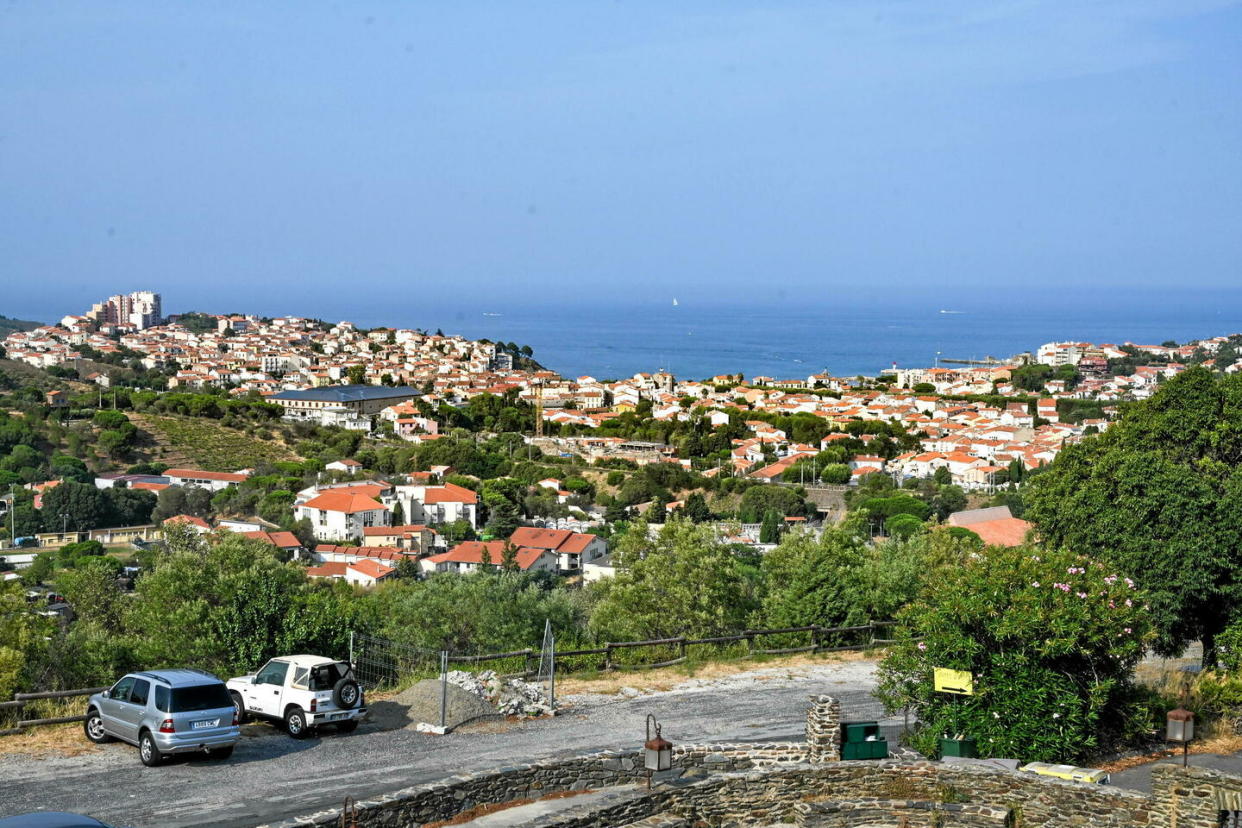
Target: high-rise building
x=141, y=309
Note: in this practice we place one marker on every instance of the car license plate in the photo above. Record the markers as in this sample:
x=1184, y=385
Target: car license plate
x=205, y=723
x=336, y=716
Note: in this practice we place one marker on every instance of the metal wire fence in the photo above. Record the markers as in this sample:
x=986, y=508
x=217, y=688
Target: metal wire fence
x=382, y=664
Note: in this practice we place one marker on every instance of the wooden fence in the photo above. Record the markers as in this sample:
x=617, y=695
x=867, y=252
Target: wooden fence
x=818, y=640
x=20, y=700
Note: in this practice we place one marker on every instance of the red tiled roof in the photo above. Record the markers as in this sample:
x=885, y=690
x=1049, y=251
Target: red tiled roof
x=1001, y=532
x=197, y=474
x=196, y=521
x=336, y=500
x=372, y=569
x=336, y=569
x=450, y=493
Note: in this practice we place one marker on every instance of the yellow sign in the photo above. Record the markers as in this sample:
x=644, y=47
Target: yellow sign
x=958, y=682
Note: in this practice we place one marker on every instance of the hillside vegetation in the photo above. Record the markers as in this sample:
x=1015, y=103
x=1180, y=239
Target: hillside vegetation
x=9, y=325
x=203, y=443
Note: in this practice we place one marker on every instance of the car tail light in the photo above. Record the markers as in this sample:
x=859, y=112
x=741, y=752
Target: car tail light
x=314, y=705
x=235, y=719
x=166, y=726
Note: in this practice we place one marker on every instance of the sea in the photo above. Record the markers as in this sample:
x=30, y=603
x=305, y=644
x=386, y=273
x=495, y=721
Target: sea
x=782, y=336
x=696, y=340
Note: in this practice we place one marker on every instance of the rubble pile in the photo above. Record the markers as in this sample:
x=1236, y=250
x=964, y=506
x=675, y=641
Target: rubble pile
x=511, y=696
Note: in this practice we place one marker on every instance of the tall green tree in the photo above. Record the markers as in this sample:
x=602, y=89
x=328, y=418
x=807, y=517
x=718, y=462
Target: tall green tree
x=684, y=581
x=1159, y=495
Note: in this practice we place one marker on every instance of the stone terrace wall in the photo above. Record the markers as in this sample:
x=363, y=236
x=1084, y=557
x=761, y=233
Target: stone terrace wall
x=747, y=793
x=444, y=800
x=913, y=813
x=1194, y=797
x=761, y=797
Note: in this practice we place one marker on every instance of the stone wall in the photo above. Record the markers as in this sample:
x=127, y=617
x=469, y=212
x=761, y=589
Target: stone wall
x=823, y=729
x=444, y=800
x=1194, y=797
x=910, y=812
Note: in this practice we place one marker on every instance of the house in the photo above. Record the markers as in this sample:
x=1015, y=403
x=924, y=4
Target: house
x=347, y=465
x=572, y=549
x=199, y=525
x=439, y=504
x=211, y=480
x=996, y=525
x=284, y=541
x=366, y=573
x=468, y=557
x=597, y=569
x=338, y=514
x=415, y=537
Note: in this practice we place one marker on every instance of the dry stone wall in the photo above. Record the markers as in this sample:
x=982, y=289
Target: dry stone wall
x=783, y=782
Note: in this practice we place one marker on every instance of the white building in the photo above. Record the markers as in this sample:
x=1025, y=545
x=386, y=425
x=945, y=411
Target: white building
x=342, y=515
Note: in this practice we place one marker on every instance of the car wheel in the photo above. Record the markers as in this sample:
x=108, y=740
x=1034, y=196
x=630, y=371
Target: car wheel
x=348, y=726
x=221, y=753
x=239, y=706
x=94, y=727
x=148, y=752
x=346, y=694
x=295, y=723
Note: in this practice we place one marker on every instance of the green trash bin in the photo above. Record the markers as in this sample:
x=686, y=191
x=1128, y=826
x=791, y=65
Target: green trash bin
x=862, y=740
x=965, y=748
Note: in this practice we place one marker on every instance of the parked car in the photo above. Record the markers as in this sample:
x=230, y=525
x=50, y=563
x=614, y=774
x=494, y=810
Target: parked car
x=166, y=712
x=302, y=692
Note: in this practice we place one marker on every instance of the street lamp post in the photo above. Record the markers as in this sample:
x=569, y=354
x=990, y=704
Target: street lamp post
x=1181, y=728
x=657, y=752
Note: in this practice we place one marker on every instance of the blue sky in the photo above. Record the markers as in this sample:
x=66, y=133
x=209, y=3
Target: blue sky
x=293, y=156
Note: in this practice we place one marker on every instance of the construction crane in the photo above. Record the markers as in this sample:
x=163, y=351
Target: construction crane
x=538, y=386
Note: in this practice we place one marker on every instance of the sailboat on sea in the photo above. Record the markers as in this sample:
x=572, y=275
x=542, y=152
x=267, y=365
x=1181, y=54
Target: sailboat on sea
x=674, y=301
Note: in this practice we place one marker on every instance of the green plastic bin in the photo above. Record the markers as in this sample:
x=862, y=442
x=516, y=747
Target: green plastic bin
x=965, y=748
x=856, y=745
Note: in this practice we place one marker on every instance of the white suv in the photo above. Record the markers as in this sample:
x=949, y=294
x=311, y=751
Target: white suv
x=303, y=692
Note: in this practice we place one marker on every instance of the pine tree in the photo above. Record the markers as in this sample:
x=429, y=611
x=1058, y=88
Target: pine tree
x=770, y=529
x=508, y=558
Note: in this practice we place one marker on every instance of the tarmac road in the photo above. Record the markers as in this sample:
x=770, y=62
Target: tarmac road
x=271, y=777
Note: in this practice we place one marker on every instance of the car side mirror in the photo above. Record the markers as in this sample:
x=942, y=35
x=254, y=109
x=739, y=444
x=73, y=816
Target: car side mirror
x=254, y=679
x=107, y=694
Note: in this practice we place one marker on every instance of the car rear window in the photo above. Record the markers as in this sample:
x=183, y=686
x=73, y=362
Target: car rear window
x=325, y=676
x=200, y=697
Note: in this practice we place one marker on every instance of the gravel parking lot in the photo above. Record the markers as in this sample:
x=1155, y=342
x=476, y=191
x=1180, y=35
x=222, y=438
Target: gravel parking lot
x=272, y=777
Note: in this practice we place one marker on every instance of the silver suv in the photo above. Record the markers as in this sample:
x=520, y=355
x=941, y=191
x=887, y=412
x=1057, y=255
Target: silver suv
x=165, y=712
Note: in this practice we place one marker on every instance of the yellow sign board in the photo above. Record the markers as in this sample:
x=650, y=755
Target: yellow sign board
x=957, y=682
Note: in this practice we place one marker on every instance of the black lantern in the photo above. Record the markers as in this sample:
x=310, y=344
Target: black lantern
x=657, y=752
x=1181, y=728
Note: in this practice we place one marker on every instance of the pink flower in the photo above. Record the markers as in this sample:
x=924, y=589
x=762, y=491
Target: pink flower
x=1035, y=583
x=1129, y=603
x=1128, y=630
x=922, y=646
x=1081, y=594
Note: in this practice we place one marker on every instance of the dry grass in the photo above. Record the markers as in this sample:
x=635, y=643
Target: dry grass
x=49, y=740
x=668, y=678
x=1215, y=744
x=471, y=814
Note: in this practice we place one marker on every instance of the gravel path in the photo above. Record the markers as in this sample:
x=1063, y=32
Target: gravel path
x=272, y=777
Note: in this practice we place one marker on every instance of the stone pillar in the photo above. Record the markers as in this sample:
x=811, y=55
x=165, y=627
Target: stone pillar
x=823, y=730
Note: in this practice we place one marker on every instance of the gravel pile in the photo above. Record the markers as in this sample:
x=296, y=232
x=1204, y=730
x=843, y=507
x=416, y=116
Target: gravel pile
x=421, y=703
x=511, y=696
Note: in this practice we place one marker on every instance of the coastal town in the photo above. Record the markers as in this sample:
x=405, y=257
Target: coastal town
x=978, y=427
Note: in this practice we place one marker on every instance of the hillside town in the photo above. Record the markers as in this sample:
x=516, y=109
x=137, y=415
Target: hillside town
x=338, y=375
